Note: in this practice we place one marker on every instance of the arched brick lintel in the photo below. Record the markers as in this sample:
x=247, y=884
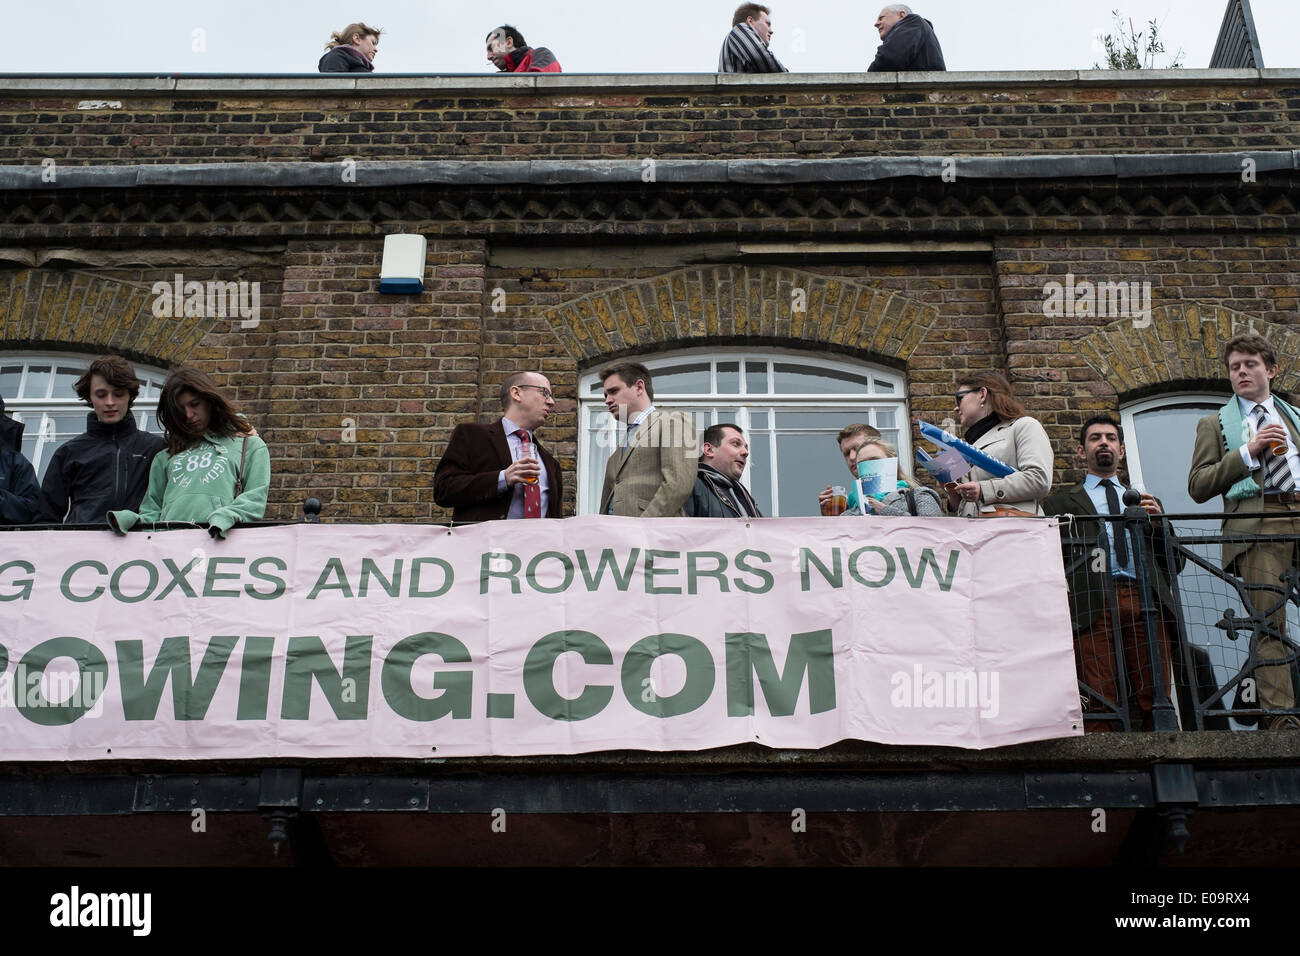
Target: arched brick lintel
x=1181, y=345
x=54, y=310
x=730, y=305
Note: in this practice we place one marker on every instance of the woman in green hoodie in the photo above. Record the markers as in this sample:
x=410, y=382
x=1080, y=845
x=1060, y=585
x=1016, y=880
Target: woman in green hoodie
x=214, y=472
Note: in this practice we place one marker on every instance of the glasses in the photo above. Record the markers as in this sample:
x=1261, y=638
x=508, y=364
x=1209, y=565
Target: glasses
x=545, y=391
x=960, y=395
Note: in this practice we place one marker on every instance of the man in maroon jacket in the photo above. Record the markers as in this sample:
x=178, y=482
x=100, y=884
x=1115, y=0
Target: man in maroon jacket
x=510, y=54
x=499, y=470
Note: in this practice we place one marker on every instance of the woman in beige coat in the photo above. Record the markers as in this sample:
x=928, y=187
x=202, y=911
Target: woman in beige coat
x=997, y=424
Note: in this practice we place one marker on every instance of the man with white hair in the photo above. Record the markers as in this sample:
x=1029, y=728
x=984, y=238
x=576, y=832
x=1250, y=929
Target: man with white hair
x=908, y=42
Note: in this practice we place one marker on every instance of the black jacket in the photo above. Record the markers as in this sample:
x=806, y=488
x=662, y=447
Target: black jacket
x=717, y=496
x=18, y=488
x=19, y=491
x=343, y=59
x=1087, y=582
x=11, y=432
x=105, y=469
x=910, y=44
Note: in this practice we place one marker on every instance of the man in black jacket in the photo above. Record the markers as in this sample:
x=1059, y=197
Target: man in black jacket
x=1102, y=577
x=718, y=492
x=18, y=488
x=106, y=468
x=908, y=42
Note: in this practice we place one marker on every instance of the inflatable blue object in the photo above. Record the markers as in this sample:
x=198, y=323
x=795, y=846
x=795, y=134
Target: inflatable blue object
x=997, y=469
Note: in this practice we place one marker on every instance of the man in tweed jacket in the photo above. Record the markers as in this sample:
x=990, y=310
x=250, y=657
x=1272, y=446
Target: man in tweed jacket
x=652, y=472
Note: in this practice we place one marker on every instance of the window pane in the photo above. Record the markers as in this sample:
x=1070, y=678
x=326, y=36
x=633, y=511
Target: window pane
x=807, y=464
x=885, y=418
x=38, y=382
x=64, y=379
x=758, y=419
x=30, y=435
x=756, y=378
x=830, y=422
x=728, y=378
x=804, y=379
x=759, y=471
x=1164, y=439
x=883, y=386
x=683, y=380
x=10, y=376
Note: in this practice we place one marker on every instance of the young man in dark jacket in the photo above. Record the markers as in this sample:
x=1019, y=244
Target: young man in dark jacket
x=106, y=468
x=19, y=491
x=718, y=492
x=908, y=42
x=510, y=54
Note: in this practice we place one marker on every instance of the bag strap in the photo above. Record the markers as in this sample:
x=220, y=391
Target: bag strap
x=910, y=495
x=239, y=475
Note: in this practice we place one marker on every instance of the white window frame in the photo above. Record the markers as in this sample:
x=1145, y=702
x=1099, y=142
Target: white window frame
x=35, y=411
x=855, y=407
x=1128, y=420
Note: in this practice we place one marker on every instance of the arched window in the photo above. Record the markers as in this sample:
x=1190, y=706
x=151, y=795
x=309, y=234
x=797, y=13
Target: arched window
x=1158, y=438
x=37, y=390
x=790, y=407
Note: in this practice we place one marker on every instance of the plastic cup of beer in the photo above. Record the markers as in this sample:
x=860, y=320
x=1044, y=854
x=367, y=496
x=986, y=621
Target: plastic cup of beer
x=1277, y=447
x=836, y=503
x=529, y=479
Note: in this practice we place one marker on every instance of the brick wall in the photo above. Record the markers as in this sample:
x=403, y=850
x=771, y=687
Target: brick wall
x=677, y=117
x=357, y=393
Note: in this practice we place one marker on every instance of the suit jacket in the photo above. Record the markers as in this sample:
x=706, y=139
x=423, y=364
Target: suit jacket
x=1216, y=468
x=466, y=477
x=1023, y=444
x=715, y=496
x=654, y=475
x=1088, y=586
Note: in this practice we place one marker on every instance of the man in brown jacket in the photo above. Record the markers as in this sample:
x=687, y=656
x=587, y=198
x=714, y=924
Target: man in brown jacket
x=500, y=469
x=1247, y=452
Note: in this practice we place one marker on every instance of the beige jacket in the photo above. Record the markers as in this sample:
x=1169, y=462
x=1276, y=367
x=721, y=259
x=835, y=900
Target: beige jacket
x=654, y=475
x=1215, y=469
x=1024, y=445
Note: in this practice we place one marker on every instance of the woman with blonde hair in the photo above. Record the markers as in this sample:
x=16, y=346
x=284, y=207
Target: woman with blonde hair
x=998, y=425
x=351, y=50
x=908, y=498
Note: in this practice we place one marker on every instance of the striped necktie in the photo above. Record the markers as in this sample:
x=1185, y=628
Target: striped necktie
x=1277, y=472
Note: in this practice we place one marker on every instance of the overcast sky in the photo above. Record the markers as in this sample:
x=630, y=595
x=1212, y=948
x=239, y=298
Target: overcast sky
x=670, y=36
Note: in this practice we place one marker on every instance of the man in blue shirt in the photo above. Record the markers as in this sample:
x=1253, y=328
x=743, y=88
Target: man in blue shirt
x=1105, y=566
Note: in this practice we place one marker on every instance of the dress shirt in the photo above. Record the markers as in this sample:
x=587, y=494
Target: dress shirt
x=517, y=452
x=1248, y=415
x=1093, y=485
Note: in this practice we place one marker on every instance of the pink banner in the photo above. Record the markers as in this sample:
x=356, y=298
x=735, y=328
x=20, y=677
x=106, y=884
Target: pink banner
x=533, y=637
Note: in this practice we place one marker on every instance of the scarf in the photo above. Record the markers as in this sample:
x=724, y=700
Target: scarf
x=369, y=60
x=981, y=428
x=1232, y=423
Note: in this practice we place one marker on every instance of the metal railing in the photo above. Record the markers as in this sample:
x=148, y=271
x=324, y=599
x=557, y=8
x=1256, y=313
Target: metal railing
x=1191, y=645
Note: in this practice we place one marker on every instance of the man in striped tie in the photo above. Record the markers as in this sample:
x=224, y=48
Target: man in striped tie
x=1248, y=453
